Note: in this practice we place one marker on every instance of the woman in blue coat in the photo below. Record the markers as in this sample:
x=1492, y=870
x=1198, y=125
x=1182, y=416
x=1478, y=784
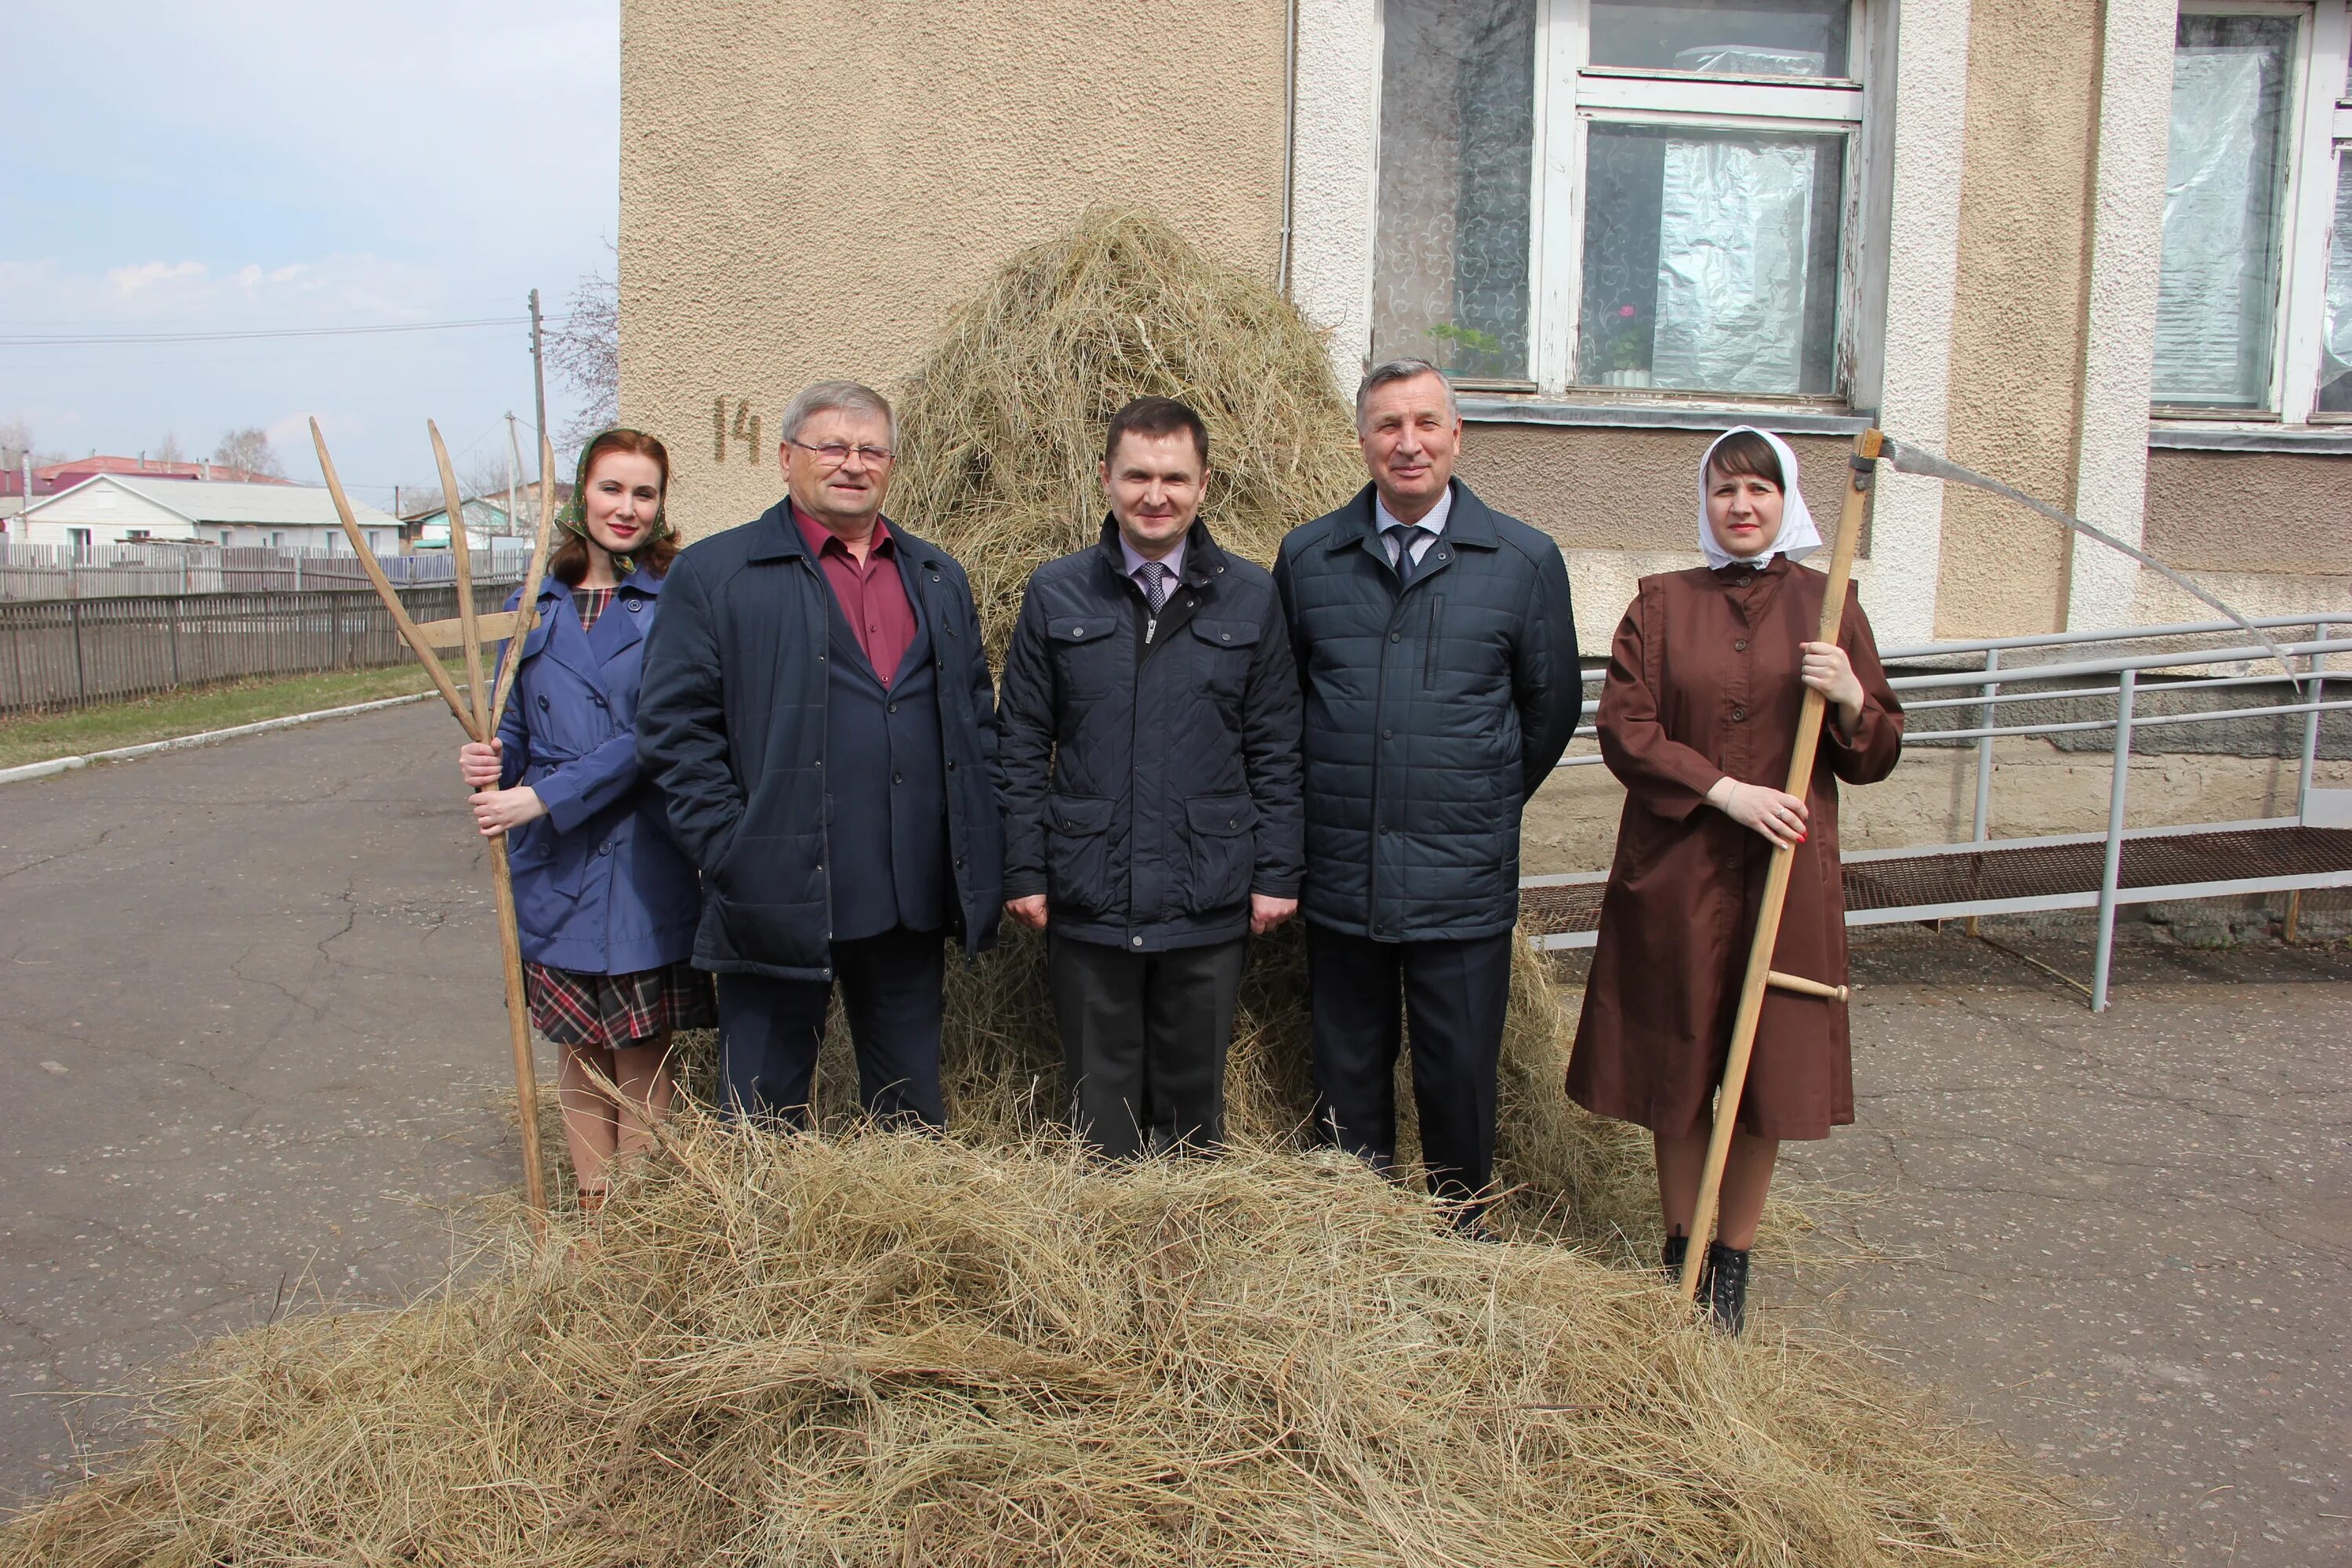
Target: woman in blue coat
x=606, y=900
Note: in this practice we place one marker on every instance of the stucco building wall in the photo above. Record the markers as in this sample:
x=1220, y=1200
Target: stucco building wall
x=2017, y=337
x=2278, y=513
x=810, y=189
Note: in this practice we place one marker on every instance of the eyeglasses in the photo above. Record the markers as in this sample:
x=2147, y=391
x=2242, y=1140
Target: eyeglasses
x=833, y=453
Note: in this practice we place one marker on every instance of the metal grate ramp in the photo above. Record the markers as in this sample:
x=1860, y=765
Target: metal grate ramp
x=1946, y=880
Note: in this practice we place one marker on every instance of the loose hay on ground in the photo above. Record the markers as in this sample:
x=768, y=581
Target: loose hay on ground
x=886, y=1350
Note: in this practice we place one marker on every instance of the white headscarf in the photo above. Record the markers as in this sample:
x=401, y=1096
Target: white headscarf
x=1798, y=537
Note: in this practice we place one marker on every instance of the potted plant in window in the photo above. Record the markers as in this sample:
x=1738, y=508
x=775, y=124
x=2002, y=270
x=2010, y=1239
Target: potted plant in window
x=1624, y=356
x=1469, y=344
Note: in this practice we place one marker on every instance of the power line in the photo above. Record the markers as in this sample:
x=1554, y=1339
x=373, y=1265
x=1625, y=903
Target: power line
x=56, y=340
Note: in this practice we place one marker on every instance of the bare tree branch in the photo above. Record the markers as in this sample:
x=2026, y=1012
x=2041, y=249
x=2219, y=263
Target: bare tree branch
x=585, y=351
x=249, y=448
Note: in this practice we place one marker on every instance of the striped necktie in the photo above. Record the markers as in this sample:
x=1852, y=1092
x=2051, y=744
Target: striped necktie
x=1406, y=534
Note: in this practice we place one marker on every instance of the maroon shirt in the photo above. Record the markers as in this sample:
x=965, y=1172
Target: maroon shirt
x=872, y=595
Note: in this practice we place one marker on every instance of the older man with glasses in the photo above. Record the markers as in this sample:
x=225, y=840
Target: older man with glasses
x=816, y=705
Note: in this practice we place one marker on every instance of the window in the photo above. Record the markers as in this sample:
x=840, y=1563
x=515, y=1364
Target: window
x=2336, y=331
x=78, y=538
x=1618, y=193
x=2255, y=294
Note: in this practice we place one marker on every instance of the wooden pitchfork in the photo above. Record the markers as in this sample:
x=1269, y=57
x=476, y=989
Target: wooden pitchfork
x=479, y=709
x=1760, y=973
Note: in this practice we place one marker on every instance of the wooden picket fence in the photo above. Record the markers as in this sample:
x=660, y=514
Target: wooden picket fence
x=65, y=653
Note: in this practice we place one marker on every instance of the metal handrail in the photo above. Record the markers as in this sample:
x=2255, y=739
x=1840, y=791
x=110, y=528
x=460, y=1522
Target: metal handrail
x=1984, y=691
x=2117, y=666
x=2119, y=634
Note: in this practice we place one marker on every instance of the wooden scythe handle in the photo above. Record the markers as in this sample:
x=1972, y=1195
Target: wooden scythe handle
x=1776, y=881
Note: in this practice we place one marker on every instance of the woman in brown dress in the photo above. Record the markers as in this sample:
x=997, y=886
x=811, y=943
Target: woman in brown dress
x=1698, y=721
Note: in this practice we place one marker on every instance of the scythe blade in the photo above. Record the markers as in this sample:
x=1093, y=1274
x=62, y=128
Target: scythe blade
x=1913, y=460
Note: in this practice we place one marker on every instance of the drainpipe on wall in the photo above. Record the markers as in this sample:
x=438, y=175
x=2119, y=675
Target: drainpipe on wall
x=1289, y=138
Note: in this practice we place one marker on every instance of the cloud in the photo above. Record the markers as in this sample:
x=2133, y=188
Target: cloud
x=152, y=274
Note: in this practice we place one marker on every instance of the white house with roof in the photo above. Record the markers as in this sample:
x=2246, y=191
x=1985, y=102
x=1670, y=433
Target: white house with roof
x=124, y=509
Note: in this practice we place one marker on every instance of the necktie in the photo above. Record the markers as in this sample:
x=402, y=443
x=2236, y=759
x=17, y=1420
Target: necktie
x=1406, y=535
x=1155, y=584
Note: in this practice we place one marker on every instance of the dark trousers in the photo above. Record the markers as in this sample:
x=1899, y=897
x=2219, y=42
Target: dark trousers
x=1456, y=994
x=770, y=1030
x=1144, y=1036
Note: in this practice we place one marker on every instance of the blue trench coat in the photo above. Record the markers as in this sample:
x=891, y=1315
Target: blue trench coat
x=600, y=888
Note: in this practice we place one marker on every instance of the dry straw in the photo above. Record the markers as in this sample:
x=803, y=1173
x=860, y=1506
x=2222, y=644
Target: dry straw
x=873, y=1349
x=883, y=1349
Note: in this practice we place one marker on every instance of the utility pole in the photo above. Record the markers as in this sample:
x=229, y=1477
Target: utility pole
x=539, y=374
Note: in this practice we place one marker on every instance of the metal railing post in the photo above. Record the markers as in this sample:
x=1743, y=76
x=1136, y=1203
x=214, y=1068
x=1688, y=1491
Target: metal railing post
x=2126, y=686
x=2315, y=663
x=1984, y=747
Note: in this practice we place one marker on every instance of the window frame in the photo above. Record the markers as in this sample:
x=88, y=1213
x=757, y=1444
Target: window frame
x=2319, y=129
x=1571, y=96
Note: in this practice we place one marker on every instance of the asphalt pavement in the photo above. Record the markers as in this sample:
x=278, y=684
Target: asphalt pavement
x=252, y=1056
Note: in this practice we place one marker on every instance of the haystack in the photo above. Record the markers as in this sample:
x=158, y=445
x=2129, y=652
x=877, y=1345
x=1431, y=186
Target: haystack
x=1002, y=427
x=886, y=1350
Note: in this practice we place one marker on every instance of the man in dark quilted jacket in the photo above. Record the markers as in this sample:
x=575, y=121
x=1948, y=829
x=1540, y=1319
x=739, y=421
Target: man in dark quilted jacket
x=1438, y=656
x=1148, y=766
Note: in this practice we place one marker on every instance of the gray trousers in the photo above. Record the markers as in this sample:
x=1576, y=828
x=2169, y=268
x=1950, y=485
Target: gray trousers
x=1144, y=1036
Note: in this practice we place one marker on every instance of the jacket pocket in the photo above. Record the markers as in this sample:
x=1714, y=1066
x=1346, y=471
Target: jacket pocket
x=1077, y=853
x=1227, y=649
x=1224, y=833
x=1429, y=642
x=1082, y=653
x=546, y=873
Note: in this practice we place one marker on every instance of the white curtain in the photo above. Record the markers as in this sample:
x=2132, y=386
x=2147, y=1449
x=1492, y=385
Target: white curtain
x=2212, y=324
x=2336, y=348
x=1732, y=235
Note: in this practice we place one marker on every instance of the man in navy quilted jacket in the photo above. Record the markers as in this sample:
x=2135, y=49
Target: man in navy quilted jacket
x=1438, y=653
x=1148, y=759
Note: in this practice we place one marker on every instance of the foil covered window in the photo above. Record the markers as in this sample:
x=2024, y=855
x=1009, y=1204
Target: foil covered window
x=2218, y=291
x=2336, y=341
x=1729, y=37
x=1456, y=171
x=1710, y=260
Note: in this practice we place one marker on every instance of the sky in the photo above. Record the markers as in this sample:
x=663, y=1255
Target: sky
x=260, y=165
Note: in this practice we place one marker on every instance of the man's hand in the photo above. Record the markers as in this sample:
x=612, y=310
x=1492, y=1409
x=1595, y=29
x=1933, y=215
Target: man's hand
x=1268, y=913
x=477, y=764
x=1030, y=911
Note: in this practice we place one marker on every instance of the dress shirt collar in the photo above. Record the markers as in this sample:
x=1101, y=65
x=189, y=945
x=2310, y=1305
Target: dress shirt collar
x=1384, y=520
x=1174, y=559
x=820, y=539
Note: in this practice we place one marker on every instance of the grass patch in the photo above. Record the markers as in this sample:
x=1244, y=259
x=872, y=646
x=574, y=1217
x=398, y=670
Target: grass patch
x=38, y=737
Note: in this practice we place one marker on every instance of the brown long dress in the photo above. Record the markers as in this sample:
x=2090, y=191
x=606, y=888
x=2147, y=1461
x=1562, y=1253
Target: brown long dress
x=1703, y=682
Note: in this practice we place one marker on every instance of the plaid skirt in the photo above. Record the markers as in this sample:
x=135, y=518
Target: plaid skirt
x=607, y=1012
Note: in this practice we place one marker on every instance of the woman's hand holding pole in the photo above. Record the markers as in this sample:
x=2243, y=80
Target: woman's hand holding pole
x=1827, y=670
x=1777, y=814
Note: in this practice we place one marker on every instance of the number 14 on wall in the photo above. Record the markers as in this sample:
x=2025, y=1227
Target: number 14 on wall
x=745, y=428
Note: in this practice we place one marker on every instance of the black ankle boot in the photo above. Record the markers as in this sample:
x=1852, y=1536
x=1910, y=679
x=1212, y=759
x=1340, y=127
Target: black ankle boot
x=1671, y=1258
x=1723, y=1287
